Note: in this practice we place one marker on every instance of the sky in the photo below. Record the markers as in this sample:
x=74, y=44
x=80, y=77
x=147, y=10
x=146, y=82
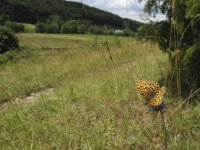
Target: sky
x=125, y=8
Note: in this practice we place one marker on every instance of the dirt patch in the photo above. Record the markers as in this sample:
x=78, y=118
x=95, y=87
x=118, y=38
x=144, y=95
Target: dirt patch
x=32, y=97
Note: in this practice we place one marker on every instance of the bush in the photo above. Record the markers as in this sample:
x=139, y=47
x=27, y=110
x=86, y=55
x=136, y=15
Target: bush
x=127, y=32
x=4, y=18
x=98, y=30
x=40, y=27
x=190, y=67
x=52, y=28
x=20, y=27
x=70, y=27
x=8, y=40
x=82, y=29
x=16, y=27
x=11, y=25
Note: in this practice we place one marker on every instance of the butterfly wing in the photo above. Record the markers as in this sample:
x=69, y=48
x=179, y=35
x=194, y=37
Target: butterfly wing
x=157, y=99
x=147, y=88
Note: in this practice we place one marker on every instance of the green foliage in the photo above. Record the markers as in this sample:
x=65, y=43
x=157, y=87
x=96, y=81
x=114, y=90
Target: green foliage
x=127, y=32
x=16, y=27
x=40, y=27
x=82, y=29
x=70, y=27
x=191, y=67
x=98, y=30
x=58, y=11
x=180, y=38
x=146, y=30
x=54, y=19
x=8, y=40
x=52, y=28
x=4, y=18
x=7, y=56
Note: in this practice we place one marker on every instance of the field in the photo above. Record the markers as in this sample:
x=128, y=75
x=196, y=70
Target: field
x=79, y=92
x=29, y=28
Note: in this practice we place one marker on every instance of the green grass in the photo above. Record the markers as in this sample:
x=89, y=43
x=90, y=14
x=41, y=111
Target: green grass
x=29, y=28
x=94, y=103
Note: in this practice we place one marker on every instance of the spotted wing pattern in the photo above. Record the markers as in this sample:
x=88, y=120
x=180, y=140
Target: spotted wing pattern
x=151, y=91
x=146, y=88
x=157, y=99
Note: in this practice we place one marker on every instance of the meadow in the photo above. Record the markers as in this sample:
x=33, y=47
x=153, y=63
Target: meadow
x=79, y=92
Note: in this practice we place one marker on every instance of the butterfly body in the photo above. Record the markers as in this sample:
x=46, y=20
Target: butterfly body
x=152, y=92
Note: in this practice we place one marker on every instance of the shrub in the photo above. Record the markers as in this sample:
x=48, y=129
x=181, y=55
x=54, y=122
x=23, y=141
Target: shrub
x=52, y=28
x=11, y=25
x=40, y=27
x=66, y=28
x=16, y=27
x=82, y=29
x=70, y=27
x=127, y=32
x=98, y=30
x=190, y=67
x=4, y=18
x=8, y=40
x=20, y=27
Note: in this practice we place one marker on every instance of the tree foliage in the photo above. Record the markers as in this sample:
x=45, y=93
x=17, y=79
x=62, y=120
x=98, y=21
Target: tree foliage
x=40, y=27
x=4, y=18
x=82, y=29
x=32, y=11
x=52, y=28
x=70, y=27
x=8, y=40
x=180, y=36
x=16, y=27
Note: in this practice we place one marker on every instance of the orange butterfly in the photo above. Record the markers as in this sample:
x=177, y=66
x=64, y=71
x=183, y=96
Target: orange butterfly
x=152, y=92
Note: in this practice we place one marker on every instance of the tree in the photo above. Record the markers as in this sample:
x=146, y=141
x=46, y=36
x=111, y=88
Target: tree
x=82, y=29
x=98, y=30
x=52, y=28
x=70, y=27
x=127, y=32
x=16, y=27
x=54, y=11
x=55, y=19
x=179, y=35
x=4, y=18
x=40, y=27
x=8, y=40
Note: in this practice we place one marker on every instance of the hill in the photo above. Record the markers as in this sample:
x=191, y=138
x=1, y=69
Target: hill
x=30, y=11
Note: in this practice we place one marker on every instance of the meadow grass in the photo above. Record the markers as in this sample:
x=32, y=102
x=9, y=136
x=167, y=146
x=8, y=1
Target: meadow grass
x=94, y=103
x=29, y=28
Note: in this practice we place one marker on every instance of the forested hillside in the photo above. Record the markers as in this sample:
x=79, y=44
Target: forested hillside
x=31, y=11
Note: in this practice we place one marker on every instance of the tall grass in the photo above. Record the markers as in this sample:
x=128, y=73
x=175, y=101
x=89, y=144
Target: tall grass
x=94, y=103
x=50, y=64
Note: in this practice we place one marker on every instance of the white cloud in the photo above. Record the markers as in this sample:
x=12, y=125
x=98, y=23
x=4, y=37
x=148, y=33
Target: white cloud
x=125, y=8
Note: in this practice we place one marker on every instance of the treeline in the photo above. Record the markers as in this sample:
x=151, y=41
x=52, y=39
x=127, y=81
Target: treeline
x=54, y=24
x=30, y=11
x=14, y=26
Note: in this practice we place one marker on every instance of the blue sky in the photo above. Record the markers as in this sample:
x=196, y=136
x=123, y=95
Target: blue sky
x=125, y=8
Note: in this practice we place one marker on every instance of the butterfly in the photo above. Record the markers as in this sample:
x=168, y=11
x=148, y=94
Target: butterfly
x=152, y=92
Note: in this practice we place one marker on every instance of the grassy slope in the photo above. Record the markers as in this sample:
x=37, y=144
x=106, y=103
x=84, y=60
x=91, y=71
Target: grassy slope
x=94, y=104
